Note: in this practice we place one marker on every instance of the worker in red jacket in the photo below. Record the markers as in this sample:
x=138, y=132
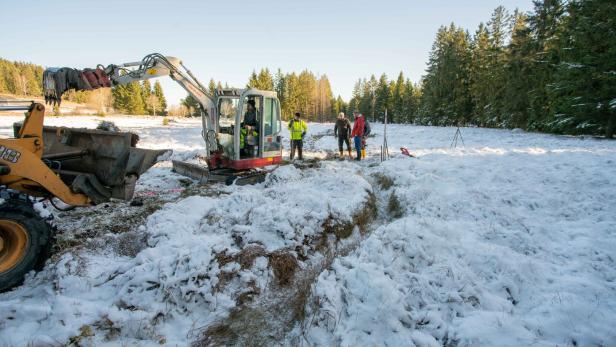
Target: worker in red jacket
x=358, y=132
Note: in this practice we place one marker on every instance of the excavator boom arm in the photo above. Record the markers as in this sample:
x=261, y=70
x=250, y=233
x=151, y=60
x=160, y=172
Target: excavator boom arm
x=156, y=65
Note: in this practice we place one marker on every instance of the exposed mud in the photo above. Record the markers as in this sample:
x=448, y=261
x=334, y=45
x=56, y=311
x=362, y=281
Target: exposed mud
x=114, y=224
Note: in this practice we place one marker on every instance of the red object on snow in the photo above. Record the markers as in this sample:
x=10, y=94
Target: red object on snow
x=406, y=152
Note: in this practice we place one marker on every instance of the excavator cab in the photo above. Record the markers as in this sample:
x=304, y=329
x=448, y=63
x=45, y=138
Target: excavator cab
x=246, y=144
x=241, y=148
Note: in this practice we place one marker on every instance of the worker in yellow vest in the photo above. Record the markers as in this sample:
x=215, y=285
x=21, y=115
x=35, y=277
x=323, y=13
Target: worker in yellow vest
x=246, y=150
x=297, y=129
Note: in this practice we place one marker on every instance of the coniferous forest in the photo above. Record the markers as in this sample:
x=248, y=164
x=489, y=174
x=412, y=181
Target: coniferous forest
x=550, y=70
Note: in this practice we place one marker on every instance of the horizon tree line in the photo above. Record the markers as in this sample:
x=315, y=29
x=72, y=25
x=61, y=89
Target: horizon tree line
x=552, y=69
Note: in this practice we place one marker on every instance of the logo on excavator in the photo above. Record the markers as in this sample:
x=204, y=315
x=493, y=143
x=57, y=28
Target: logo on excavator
x=9, y=155
x=152, y=71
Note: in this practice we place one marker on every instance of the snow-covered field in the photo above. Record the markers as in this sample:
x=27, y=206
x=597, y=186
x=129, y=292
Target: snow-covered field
x=509, y=240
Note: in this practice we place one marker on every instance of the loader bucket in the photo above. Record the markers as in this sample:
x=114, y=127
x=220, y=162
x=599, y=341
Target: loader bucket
x=101, y=164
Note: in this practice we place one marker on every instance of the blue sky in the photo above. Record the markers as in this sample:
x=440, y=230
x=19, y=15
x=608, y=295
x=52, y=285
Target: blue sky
x=226, y=40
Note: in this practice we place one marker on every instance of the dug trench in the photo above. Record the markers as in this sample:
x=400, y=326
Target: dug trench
x=278, y=313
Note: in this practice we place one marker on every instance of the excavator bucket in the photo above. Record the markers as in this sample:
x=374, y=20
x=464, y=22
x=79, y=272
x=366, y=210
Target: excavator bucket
x=100, y=164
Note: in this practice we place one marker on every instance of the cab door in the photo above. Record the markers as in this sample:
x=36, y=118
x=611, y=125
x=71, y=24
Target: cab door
x=270, y=142
x=227, y=111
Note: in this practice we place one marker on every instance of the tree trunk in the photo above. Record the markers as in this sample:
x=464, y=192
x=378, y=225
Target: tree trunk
x=611, y=125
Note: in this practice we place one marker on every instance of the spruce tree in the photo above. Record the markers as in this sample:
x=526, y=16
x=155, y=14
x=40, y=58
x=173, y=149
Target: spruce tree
x=498, y=26
x=212, y=87
x=135, y=103
x=252, y=80
x=323, y=99
x=342, y=106
x=305, y=96
x=367, y=95
x=280, y=86
x=158, y=91
x=265, y=80
x=146, y=91
x=516, y=101
x=120, y=95
x=410, y=102
x=355, y=96
x=544, y=24
x=382, y=98
x=292, y=102
x=446, y=98
x=192, y=105
x=397, y=112
x=584, y=85
x=479, y=76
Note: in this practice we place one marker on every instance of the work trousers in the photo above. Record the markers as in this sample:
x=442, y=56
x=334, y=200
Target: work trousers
x=297, y=144
x=357, y=140
x=342, y=140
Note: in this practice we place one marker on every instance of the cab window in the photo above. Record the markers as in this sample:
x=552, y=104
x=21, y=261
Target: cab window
x=270, y=117
x=271, y=126
x=228, y=109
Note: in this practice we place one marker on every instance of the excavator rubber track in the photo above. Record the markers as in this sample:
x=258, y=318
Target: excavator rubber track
x=203, y=175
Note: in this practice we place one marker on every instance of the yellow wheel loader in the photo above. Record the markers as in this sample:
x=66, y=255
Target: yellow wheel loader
x=80, y=167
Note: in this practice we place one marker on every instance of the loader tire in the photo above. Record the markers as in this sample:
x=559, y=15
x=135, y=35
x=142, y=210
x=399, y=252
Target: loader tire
x=25, y=241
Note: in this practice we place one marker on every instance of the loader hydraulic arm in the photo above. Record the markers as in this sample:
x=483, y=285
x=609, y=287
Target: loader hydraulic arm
x=156, y=65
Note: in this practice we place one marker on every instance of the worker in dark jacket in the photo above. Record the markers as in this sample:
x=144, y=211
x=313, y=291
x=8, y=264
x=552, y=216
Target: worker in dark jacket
x=250, y=117
x=342, y=130
x=250, y=128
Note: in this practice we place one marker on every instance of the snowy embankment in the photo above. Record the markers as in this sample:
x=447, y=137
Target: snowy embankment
x=508, y=241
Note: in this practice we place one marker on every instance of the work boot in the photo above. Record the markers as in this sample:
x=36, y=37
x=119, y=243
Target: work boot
x=341, y=153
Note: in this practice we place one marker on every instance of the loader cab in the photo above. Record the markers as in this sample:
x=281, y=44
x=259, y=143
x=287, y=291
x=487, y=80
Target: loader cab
x=249, y=146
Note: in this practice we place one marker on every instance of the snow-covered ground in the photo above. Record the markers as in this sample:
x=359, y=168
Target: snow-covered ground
x=509, y=240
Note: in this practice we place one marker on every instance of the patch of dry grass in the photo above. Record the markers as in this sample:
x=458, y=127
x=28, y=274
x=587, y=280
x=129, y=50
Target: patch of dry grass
x=384, y=181
x=284, y=265
x=341, y=229
x=364, y=217
x=246, y=257
x=394, y=207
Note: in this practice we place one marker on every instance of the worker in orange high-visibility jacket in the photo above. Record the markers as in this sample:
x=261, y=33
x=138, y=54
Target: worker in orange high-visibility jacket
x=297, y=129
